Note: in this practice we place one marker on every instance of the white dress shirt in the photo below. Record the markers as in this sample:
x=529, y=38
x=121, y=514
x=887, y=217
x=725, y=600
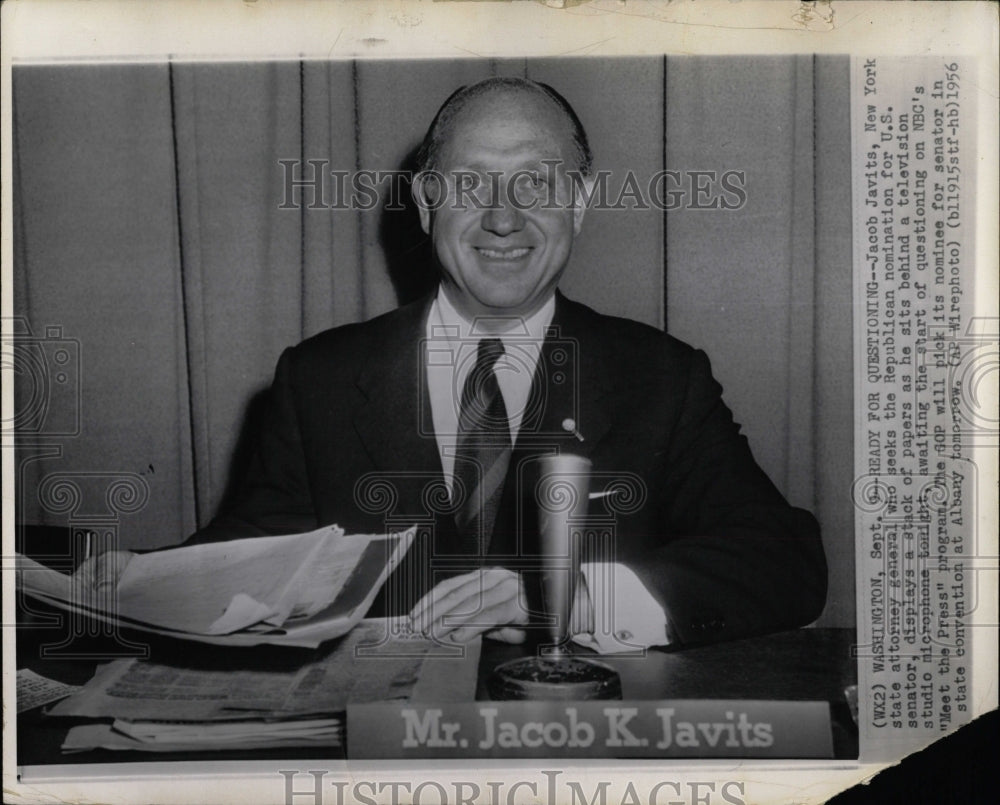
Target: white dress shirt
x=625, y=616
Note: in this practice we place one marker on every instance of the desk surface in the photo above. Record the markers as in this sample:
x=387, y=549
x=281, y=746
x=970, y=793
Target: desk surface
x=801, y=665
x=807, y=664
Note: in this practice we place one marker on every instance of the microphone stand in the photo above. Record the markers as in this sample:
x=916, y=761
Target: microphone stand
x=555, y=673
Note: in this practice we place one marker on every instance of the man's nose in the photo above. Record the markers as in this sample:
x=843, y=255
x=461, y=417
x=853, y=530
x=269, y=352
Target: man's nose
x=502, y=218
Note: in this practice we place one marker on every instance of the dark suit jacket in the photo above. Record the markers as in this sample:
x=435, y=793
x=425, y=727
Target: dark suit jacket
x=348, y=439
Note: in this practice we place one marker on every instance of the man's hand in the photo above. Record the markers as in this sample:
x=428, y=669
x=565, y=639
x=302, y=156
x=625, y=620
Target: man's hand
x=489, y=600
x=102, y=572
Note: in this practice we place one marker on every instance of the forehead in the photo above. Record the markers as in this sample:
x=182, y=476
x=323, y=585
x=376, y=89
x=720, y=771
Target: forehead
x=515, y=126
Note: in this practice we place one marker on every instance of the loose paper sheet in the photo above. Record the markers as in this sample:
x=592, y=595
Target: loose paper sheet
x=296, y=590
x=34, y=690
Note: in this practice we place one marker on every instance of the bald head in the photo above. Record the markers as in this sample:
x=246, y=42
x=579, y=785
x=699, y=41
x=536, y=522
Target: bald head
x=497, y=98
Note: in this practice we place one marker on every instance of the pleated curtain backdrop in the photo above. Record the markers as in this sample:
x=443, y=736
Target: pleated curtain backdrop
x=153, y=227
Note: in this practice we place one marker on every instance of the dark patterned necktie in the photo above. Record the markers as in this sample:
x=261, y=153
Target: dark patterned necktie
x=483, y=453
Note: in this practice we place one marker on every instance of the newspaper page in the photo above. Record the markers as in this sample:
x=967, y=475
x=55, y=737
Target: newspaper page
x=34, y=690
x=806, y=191
x=290, y=590
x=142, y=691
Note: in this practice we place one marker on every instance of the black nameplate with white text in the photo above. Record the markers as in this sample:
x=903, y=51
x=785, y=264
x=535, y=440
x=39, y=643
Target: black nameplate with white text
x=519, y=729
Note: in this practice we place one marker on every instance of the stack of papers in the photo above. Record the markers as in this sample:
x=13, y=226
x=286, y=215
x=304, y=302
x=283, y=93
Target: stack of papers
x=166, y=736
x=298, y=590
x=173, y=707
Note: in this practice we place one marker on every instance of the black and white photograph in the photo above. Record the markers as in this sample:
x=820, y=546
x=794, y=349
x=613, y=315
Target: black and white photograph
x=388, y=425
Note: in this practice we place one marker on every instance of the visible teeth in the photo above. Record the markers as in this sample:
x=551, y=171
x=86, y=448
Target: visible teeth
x=508, y=254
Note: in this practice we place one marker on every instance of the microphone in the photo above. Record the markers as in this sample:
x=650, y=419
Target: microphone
x=563, y=492
x=556, y=674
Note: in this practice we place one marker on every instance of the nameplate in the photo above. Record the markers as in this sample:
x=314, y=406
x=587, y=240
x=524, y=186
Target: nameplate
x=692, y=728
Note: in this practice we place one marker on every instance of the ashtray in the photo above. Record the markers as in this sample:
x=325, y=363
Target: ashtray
x=561, y=678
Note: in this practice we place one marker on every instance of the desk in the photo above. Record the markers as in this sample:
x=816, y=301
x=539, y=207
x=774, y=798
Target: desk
x=807, y=664
x=801, y=665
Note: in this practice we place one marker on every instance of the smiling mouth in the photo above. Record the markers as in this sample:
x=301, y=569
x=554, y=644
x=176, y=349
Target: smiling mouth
x=508, y=255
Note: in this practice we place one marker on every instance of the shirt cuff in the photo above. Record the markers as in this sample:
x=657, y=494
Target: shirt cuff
x=625, y=616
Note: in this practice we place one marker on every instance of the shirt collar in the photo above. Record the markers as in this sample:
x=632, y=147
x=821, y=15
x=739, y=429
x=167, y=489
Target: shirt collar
x=457, y=327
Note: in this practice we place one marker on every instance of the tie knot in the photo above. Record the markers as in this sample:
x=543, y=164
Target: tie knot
x=490, y=350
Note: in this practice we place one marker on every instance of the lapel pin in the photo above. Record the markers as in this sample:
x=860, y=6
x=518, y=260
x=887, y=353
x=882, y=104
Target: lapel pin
x=569, y=425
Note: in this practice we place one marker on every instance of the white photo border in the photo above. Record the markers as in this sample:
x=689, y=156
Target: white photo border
x=144, y=30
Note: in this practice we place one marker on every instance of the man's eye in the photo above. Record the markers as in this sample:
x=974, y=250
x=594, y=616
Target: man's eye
x=532, y=183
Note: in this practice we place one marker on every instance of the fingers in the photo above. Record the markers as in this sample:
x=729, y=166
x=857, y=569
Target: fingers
x=474, y=607
x=507, y=634
x=474, y=599
x=504, y=611
x=451, y=594
x=460, y=608
x=433, y=601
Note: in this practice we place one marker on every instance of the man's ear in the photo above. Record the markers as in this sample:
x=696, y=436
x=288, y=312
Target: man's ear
x=419, y=193
x=583, y=189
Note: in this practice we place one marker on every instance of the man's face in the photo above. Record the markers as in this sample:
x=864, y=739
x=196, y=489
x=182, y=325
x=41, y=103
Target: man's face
x=503, y=244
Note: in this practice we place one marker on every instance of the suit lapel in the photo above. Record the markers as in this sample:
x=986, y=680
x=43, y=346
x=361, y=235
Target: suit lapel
x=393, y=417
x=571, y=386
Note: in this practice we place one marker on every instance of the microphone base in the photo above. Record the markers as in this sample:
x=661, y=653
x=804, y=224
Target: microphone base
x=555, y=678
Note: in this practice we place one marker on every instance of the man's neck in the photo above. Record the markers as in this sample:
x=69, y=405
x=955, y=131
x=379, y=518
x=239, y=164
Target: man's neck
x=496, y=322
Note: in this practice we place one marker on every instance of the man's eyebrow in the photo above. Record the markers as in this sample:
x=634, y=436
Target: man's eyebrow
x=540, y=165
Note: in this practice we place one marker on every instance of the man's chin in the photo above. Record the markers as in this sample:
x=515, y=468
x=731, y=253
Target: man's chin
x=498, y=299
x=506, y=305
